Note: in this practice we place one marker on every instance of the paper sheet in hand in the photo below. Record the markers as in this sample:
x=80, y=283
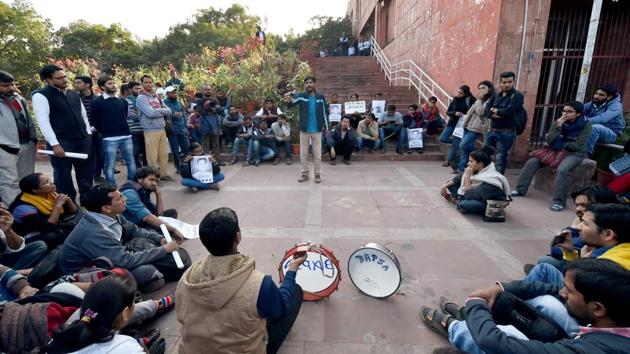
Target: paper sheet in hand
x=189, y=231
x=201, y=168
x=74, y=155
x=459, y=128
x=415, y=138
x=354, y=106
x=335, y=112
x=378, y=107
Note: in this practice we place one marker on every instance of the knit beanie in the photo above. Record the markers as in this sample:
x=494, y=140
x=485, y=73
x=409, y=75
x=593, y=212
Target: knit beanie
x=577, y=105
x=609, y=89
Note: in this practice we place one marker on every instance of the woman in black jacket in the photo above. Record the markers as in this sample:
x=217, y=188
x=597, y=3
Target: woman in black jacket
x=460, y=104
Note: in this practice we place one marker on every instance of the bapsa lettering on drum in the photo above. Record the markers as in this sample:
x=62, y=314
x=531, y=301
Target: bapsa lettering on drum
x=365, y=257
x=312, y=265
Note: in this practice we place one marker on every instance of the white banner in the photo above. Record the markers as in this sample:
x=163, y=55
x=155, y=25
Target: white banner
x=354, y=106
x=459, y=128
x=378, y=107
x=415, y=138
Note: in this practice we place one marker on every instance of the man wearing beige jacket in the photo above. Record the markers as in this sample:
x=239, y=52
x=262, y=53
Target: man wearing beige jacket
x=225, y=305
x=367, y=133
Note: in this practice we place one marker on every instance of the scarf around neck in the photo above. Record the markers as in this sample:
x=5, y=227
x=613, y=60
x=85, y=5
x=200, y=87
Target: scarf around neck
x=44, y=204
x=569, y=132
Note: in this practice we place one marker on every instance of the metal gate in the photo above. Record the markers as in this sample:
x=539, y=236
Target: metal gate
x=564, y=51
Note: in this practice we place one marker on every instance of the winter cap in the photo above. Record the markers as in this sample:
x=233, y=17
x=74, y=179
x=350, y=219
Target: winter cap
x=609, y=89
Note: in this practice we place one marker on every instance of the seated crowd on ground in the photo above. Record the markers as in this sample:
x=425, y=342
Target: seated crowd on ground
x=78, y=274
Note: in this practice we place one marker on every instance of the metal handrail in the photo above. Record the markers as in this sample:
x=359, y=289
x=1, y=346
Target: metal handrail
x=408, y=71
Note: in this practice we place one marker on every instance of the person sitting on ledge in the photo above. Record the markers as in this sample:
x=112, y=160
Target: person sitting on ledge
x=569, y=135
x=224, y=304
x=140, y=209
x=187, y=178
x=479, y=183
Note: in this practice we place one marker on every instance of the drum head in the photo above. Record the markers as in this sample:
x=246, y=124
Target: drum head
x=316, y=274
x=375, y=271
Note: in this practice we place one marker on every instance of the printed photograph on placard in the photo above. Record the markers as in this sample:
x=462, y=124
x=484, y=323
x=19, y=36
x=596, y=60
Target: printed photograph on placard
x=335, y=112
x=415, y=138
x=354, y=106
x=201, y=168
x=378, y=107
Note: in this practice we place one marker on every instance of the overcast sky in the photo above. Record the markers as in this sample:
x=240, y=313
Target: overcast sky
x=147, y=19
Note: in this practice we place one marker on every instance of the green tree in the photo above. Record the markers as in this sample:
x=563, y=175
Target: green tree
x=327, y=30
x=25, y=42
x=108, y=45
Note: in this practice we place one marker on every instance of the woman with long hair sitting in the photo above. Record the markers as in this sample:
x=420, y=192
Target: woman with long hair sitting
x=479, y=183
x=40, y=212
x=106, y=308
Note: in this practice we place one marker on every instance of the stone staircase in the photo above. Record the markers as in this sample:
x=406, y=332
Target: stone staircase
x=362, y=75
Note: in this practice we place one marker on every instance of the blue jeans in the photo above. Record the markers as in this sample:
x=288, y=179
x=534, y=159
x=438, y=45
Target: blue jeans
x=446, y=134
x=393, y=129
x=460, y=337
x=195, y=135
x=502, y=140
x=560, y=264
x=62, y=167
x=600, y=134
x=372, y=144
x=237, y=144
x=26, y=258
x=193, y=183
x=466, y=146
x=260, y=152
x=126, y=152
x=452, y=152
x=178, y=143
x=471, y=206
x=287, y=148
x=546, y=273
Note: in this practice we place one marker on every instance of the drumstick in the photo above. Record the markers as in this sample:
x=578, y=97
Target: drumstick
x=176, y=257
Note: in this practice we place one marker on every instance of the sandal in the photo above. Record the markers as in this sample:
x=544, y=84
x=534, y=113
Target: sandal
x=436, y=321
x=446, y=164
x=457, y=311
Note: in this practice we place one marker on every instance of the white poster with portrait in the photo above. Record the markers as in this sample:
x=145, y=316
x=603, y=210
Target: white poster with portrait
x=459, y=128
x=378, y=107
x=415, y=138
x=201, y=168
x=334, y=115
x=354, y=106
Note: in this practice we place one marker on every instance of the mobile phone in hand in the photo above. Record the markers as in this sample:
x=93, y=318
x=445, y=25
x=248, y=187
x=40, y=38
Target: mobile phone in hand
x=560, y=238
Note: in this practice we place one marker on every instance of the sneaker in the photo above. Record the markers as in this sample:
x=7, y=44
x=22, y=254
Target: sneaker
x=516, y=193
x=409, y=152
x=228, y=146
x=165, y=303
x=289, y=161
x=167, y=178
x=318, y=178
x=232, y=162
x=193, y=189
x=527, y=268
x=215, y=186
x=245, y=163
x=399, y=152
x=420, y=151
x=347, y=162
x=276, y=161
x=556, y=207
x=257, y=163
x=303, y=177
x=333, y=162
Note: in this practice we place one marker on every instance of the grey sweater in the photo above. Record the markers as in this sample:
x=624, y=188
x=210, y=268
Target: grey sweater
x=151, y=119
x=90, y=239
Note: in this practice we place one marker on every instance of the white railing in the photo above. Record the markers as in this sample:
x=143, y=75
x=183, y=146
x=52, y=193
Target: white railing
x=408, y=72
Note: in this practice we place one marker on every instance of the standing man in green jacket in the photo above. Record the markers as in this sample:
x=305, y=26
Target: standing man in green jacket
x=312, y=120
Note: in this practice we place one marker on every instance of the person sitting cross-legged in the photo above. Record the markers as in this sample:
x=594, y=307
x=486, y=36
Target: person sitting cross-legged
x=224, y=304
x=104, y=232
x=595, y=293
x=282, y=132
x=189, y=180
x=341, y=140
x=140, y=210
x=479, y=183
x=568, y=135
x=243, y=136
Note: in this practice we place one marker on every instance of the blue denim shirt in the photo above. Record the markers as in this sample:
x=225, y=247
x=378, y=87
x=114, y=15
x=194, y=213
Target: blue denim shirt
x=179, y=123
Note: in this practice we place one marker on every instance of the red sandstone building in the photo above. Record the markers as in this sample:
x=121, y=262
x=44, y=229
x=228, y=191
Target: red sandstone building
x=544, y=41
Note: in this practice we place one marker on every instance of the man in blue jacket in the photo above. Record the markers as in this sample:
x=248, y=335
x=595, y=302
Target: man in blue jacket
x=178, y=139
x=606, y=115
x=595, y=294
x=312, y=120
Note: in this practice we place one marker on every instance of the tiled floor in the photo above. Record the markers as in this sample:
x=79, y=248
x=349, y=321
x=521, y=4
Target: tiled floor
x=395, y=204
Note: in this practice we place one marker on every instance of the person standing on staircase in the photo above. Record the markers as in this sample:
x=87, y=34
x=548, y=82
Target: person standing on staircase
x=312, y=120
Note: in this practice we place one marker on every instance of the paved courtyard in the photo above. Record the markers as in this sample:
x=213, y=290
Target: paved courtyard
x=395, y=204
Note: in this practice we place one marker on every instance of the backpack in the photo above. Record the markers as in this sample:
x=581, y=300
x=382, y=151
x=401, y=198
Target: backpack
x=520, y=120
x=495, y=210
